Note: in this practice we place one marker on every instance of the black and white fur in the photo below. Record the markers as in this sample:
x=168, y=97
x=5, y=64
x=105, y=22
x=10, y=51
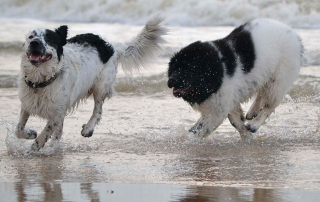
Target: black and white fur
x=262, y=56
x=86, y=64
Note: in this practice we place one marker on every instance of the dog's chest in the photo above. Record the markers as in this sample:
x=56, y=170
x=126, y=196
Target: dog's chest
x=43, y=103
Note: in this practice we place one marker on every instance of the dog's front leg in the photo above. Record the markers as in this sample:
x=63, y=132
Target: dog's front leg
x=207, y=124
x=198, y=126
x=51, y=127
x=21, y=132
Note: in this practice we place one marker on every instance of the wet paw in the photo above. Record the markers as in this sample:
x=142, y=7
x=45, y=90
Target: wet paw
x=200, y=131
x=251, y=128
x=86, y=132
x=193, y=130
x=251, y=116
x=196, y=128
x=31, y=134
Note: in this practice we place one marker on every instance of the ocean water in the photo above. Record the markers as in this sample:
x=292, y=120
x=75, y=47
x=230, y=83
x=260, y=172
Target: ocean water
x=143, y=136
x=297, y=13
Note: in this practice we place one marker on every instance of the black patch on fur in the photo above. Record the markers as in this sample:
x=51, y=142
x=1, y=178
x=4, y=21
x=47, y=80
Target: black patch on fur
x=49, y=128
x=46, y=138
x=228, y=57
x=104, y=49
x=54, y=40
x=62, y=31
x=242, y=118
x=244, y=47
x=198, y=68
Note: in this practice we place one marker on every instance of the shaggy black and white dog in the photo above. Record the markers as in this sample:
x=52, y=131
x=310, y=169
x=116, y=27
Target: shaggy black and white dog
x=56, y=74
x=262, y=56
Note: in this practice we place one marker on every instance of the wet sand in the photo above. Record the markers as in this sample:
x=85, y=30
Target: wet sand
x=144, y=144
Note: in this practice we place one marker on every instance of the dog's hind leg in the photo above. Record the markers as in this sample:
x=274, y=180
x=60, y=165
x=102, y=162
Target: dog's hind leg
x=21, y=132
x=102, y=89
x=254, y=124
x=100, y=93
x=255, y=107
x=87, y=129
x=236, y=118
x=274, y=91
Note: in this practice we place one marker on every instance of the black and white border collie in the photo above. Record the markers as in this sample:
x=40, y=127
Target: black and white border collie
x=261, y=57
x=56, y=74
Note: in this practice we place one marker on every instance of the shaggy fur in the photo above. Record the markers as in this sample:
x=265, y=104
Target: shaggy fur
x=82, y=65
x=262, y=56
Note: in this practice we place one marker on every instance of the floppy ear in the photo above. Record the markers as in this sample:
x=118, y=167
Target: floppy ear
x=62, y=31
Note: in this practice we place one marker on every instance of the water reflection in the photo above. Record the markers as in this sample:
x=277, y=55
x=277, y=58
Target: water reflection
x=28, y=170
x=86, y=188
x=206, y=194
x=18, y=191
x=40, y=179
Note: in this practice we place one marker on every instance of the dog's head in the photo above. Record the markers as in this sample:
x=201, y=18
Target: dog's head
x=195, y=72
x=43, y=45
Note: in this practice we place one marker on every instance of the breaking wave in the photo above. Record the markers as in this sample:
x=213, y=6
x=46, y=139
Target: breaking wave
x=297, y=13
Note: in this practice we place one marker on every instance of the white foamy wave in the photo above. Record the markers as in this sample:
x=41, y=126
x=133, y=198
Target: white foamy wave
x=298, y=13
x=311, y=58
x=11, y=45
x=8, y=81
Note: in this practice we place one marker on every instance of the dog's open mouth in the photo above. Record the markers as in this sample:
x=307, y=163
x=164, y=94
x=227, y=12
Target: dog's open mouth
x=36, y=57
x=180, y=92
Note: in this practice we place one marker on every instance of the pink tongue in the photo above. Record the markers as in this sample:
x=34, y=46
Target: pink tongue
x=177, y=91
x=35, y=57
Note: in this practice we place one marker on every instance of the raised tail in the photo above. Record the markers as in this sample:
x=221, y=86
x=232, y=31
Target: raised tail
x=141, y=50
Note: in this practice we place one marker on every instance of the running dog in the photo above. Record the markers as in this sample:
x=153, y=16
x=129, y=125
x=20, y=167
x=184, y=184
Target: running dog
x=57, y=74
x=261, y=57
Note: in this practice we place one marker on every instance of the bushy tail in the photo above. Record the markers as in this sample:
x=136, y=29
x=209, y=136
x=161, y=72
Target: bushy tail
x=142, y=49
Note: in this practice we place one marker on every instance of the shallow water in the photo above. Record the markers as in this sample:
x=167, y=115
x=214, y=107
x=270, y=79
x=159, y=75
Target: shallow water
x=57, y=191
x=133, y=144
x=142, y=142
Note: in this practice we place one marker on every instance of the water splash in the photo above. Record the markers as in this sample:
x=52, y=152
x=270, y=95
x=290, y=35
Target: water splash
x=22, y=147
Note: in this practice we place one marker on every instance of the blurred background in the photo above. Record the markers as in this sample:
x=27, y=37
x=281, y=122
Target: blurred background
x=297, y=13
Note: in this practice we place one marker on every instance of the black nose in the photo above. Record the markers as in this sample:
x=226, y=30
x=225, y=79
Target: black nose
x=35, y=43
x=171, y=82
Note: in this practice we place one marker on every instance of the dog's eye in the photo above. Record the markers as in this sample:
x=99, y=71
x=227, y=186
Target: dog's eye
x=31, y=36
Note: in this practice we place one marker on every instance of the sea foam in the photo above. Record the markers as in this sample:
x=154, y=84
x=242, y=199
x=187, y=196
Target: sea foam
x=297, y=13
